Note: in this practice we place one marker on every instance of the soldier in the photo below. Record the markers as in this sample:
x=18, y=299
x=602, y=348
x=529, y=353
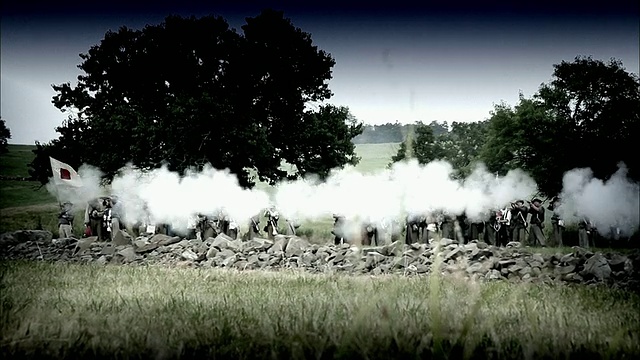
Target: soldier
x=447, y=226
x=93, y=217
x=272, y=222
x=491, y=227
x=206, y=226
x=254, y=227
x=412, y=233
x=115, y=212
x=585, y=228
x=518, y=221
x=476, y=229
x=460, y=228
x=556, y=222
x=503, y=226
x=369, y=233
x=232, y=228
x=65, y=221
x=338, y=229
x=536, y=210
x=291, y=227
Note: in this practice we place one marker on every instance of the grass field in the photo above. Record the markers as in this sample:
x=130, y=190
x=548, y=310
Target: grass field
x=151, y=312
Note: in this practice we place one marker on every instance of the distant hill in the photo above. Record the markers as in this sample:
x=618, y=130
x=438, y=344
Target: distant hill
x=15, y=161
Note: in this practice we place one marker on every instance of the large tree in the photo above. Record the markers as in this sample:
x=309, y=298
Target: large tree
x=191, y=91
x=587, y=116
x=5, y=135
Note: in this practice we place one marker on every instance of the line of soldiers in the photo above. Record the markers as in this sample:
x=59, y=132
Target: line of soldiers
x=520, y=221
x=103, y=218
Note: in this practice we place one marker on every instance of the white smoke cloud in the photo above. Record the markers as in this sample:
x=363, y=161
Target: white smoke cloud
x=614, y=203
x=407, y=188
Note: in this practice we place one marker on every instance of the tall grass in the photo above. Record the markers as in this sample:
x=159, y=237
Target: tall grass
x=64, y=310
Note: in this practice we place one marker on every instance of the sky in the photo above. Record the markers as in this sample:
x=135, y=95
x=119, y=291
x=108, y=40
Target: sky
x=394, y=62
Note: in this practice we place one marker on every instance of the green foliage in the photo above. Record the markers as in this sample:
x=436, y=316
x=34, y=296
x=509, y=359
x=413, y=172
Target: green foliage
x=587, y=116
x=460, y=146
x=5, y=135
x=236, y=101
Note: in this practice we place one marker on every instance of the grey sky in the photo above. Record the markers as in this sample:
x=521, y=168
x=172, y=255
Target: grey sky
x=396, y=67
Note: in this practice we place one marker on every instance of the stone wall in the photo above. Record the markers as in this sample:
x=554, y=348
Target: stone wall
x=475, y=260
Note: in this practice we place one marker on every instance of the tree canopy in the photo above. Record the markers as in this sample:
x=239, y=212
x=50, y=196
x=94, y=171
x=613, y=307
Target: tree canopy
x=587, y=116
x=191, y=91
x=5, y=135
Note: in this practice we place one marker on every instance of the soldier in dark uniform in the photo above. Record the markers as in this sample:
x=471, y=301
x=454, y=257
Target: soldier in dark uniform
x=476, y=229
x=519, y=221
x=586, y=228
x=413, y=230
x=536, y=221
x=447, y=226
x=272, y=223
x=369, y=233
x=556, y=222
x=93, y=217
x=491, y=227
x=461, y=228
x=254, y=227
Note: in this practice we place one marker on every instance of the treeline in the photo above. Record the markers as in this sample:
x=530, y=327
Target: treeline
x=588, y=116
x=394, y=132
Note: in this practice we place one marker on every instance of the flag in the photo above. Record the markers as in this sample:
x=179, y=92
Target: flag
x=64, y=174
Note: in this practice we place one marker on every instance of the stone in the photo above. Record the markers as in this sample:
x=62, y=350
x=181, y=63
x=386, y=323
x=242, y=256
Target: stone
x=121, y=238
x=146, y=248
x=169, y=241
x=296, y=246
x=128, y=254
x=597, y=267
x=562, y=270
x=84, y=244
x=158, y=238
x=190, y=255
x=108, y=249
x=212, y=252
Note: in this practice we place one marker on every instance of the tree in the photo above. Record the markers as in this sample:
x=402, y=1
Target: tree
x=587, y=116
x=215, y=96
x=421, y=145
x=5, y=135
x=598, y=103
x=461, y=146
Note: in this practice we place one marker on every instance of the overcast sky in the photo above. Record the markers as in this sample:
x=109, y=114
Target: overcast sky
x=393, y=62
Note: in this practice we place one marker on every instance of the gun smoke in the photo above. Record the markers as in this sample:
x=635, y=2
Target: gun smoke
x=406, y=188
x=610, y=205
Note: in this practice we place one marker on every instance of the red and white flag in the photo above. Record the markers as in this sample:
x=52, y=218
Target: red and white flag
x=64, y=174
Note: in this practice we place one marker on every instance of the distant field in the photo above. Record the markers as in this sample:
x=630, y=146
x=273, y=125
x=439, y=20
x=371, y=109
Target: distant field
x=14, y=163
